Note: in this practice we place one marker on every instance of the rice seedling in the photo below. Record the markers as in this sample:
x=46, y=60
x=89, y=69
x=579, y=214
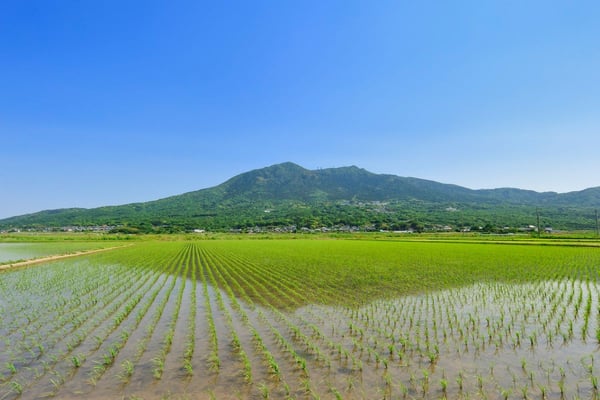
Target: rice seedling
x=127, y=368
x=77, y=360
x=264, y=390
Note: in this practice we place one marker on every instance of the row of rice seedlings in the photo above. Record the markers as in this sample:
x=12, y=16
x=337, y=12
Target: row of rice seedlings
x=148, y=294
x=475, y=338
x=289, y=348
x=128, y=366
x=68, y=345
x=58, y=327
x=366, y=350
x=70, y=322
x=50, y=360
x=159, y=360
x=191, y=321
x=247, y=372
x=267, y=355
x=277, y=296
x=43, y=308
x=296, y=278
x=486, y=332
x=284, y=298
x=21, y=315
x=289, y=284
x=213, y=360
x=223, y=271
x=587, y=311
x=119, y=327
x=114, y=301
x=215, y=276
x=282, y=287
x=229, y=284
x=248, y=281
x=278, y=282
x=437, y=328
x=295, y=288
x=343, y=353
x=417, y=264
x=378, y=320
x=150, y=327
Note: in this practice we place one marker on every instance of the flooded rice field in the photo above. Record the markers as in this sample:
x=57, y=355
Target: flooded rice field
x=187, y=322
x=24, y=251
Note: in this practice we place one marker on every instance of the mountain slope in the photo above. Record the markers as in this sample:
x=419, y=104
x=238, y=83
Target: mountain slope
x=287, y=194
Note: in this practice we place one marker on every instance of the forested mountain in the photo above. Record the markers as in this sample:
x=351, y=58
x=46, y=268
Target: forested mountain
x=286, y=195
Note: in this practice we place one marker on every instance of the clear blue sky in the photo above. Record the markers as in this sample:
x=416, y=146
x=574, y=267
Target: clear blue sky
x=110, y=102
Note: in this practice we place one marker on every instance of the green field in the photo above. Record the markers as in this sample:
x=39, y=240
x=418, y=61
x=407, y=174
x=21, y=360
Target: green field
x=321, y=318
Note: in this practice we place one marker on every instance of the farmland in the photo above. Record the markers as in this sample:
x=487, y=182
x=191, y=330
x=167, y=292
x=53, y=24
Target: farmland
x=304, y=319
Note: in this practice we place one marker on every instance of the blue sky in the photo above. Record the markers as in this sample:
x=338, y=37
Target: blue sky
x=113, y=102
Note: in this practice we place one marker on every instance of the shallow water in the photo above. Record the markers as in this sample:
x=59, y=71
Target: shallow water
x=21, y=251
x=495, y=340
x=25, y=251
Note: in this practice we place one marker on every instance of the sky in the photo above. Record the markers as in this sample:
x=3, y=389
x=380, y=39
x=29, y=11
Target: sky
x=112, y=102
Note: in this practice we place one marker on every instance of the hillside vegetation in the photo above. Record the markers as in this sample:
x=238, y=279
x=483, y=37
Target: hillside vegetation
x=287, y=195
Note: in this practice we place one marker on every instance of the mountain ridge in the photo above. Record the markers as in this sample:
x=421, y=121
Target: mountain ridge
x=289, y=194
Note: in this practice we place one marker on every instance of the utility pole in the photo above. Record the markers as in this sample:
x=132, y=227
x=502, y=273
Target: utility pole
x=597, y=226
x=537, y=211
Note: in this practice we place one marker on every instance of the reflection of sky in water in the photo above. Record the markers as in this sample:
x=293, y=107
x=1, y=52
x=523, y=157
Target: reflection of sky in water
x=21, y=251
x=24, y=251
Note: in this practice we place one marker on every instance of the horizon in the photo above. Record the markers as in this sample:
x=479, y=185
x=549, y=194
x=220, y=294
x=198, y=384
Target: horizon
x=117, y=103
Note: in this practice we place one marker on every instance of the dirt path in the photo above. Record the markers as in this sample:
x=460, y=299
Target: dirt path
x=56, y=257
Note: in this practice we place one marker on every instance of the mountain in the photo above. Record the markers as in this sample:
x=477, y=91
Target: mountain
x=288, y=194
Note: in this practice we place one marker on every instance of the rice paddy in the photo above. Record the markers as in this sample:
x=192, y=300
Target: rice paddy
x=304, y=319
x=11, y=252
